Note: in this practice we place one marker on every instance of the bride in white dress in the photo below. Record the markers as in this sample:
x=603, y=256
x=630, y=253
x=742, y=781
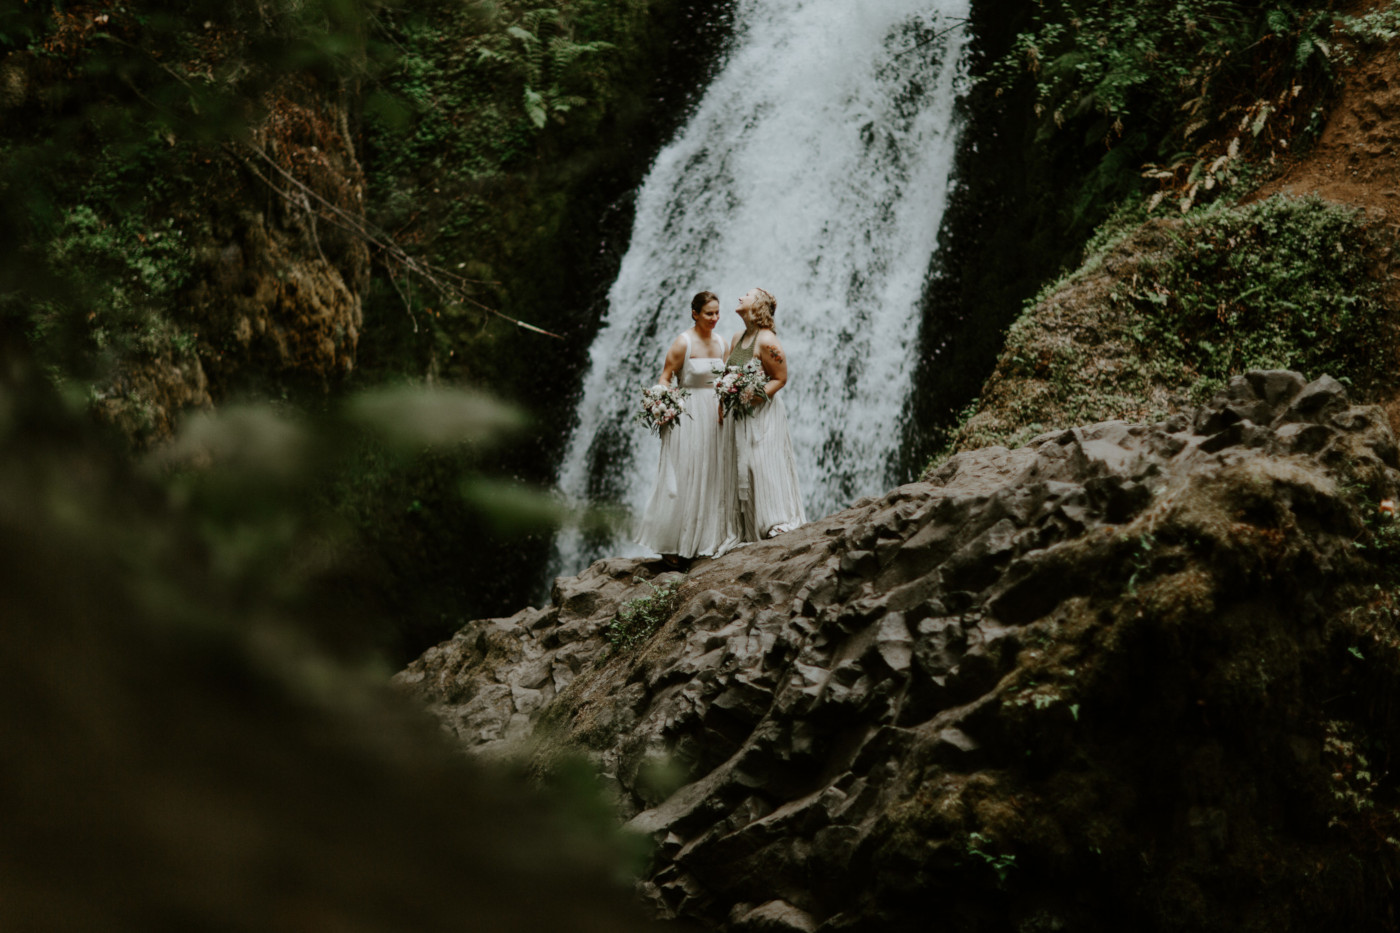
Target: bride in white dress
x=685, y=516
x=761, y=486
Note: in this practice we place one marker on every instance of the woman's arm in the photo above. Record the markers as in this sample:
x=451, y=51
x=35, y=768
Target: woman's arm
x=770, y=354
x=672, y=363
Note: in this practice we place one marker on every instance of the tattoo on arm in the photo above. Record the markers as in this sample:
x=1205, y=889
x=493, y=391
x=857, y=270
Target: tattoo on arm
x=775, y=354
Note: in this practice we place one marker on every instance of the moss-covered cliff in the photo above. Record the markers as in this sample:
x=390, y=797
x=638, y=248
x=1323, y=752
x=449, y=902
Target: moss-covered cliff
x=1289, y=264
x=1080, y=109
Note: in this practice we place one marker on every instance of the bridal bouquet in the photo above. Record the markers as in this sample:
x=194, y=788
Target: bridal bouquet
x=741, y=389
x=661, y=407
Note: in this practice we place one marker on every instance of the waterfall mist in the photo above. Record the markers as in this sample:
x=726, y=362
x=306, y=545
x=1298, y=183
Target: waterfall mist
x=817, y=166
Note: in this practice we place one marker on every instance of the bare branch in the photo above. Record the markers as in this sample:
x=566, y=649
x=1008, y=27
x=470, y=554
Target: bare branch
x=448, y=283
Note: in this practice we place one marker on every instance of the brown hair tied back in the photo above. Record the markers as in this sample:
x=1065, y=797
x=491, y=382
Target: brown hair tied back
x=697, y=304
x=763, y=310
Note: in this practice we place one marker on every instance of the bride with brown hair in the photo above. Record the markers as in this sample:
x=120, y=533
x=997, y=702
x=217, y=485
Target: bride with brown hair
x=685, y=516
x=761, y=486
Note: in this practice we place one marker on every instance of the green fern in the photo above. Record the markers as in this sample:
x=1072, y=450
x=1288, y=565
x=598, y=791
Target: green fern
x=1375, y=28
x=540, y=49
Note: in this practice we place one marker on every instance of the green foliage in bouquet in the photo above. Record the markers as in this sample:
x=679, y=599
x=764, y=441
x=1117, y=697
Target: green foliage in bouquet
x=741, y=389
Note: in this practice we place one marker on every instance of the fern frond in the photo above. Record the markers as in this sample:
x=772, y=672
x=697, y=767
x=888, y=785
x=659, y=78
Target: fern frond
x=534, y=107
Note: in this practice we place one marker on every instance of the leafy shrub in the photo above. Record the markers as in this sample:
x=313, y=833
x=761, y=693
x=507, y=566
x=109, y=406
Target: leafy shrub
x=1284, y=283
x=1379, y=27
x=1190, y=87
x=129, y=271
x=978, y=845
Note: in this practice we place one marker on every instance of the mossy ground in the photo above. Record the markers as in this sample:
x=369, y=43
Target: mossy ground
x=1164, y=311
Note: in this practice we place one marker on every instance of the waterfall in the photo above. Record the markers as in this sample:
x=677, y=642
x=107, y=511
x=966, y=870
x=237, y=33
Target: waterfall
x=816, y=165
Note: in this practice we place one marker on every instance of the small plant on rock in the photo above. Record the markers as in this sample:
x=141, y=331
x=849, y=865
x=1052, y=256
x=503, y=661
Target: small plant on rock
x=1000, y=863
x=639, y=618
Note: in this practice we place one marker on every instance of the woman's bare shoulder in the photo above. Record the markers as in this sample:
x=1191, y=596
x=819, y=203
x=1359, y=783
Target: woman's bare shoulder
x=770, y=346
x=677, y=348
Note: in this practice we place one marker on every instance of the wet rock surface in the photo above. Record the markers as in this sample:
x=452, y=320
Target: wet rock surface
x=1069, y=686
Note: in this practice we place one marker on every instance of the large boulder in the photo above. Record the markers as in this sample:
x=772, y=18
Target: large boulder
x=1124, y=677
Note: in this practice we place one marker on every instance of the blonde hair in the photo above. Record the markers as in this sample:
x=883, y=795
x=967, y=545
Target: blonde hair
x=764, y=307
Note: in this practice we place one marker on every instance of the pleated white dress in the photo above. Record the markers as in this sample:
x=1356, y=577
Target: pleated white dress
x=760, y=472
x=686, y=513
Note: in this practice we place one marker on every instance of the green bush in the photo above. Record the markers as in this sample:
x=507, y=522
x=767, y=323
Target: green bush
x=1284, y=283
x=1164, y=312
x=129, y=270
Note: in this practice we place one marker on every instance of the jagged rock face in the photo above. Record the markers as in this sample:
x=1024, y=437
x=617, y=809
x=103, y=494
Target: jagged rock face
x=1078, y=685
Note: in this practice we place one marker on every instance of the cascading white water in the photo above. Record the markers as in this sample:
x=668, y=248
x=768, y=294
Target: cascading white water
x=816, y=166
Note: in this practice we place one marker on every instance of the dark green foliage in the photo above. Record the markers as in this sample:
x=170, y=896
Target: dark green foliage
x=129, y=140
x=1284, y=283
x=495, y=143
x=1001, y=864
x=1106, y=60
x=1377, y=27
x=1161, y=82
x=110, y=161
x=428, y=555
x=128, y=267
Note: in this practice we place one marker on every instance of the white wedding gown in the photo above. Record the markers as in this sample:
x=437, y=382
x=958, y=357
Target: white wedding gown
x=686, y=514
x=760, y=476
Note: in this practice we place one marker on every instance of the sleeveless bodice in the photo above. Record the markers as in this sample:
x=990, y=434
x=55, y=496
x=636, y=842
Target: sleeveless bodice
x=741, y=354
x=697, y=372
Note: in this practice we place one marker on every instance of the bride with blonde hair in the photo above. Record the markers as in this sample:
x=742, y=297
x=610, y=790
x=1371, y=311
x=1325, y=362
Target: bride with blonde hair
x=760, y=472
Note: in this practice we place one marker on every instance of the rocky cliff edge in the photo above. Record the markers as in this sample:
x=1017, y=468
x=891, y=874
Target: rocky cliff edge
x=1124, y=677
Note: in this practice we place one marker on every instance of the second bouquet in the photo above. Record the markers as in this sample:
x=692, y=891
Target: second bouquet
x=741, y=389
